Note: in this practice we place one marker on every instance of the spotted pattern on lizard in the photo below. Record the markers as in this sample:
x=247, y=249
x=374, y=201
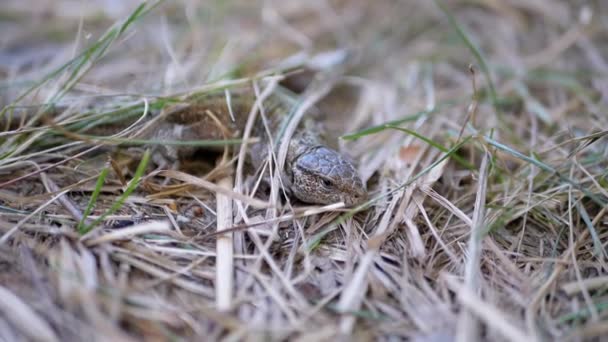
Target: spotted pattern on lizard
x=313, y=171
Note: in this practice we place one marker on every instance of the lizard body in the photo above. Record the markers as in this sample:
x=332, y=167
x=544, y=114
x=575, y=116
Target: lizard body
x=313, y=171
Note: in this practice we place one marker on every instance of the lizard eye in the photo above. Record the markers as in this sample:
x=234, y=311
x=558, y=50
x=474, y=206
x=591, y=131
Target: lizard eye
x=327, y=183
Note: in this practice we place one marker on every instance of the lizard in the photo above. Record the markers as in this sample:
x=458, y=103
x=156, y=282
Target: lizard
x=314, y=172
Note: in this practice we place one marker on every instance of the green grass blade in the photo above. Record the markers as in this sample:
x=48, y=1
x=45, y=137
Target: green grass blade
x=93, y=53
x=545, y=167
x=583, y=313
x=474, y=50
x=133, y=184
x=98, y=186
x=597, y=242
x=388, y=125
x=197, y=143
x=520, y=155
x=434, y=144
x=405, y=119
x=99, y=50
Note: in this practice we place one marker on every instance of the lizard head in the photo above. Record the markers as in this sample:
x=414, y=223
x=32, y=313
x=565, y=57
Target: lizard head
x=322, y=175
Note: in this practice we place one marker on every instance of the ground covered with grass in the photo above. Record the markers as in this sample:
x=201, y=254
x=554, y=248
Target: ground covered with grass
x=478, y=126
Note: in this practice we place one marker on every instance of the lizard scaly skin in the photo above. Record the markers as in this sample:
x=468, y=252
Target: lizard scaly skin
x=314, y=172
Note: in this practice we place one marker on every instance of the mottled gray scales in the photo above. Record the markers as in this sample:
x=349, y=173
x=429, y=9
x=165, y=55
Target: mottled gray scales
x=314, y=172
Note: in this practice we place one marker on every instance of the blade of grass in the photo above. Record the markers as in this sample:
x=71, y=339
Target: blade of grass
x=597, y=242
x=434, y=144
x=99, y=49
x=79, y=67
x=387, y=125
x=121, y=200
x=544, y=167
x=474, y=50
x=405, y=119
x=200, y=143
x=582, y=314
x=96, y=50
x=98, y=186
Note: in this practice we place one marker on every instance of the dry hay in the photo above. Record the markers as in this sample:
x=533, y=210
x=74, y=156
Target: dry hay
x=478, y=125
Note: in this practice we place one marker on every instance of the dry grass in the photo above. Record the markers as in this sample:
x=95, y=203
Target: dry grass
x=488, y=185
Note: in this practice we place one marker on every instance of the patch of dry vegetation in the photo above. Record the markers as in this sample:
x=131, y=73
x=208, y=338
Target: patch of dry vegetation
x=479, y=127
